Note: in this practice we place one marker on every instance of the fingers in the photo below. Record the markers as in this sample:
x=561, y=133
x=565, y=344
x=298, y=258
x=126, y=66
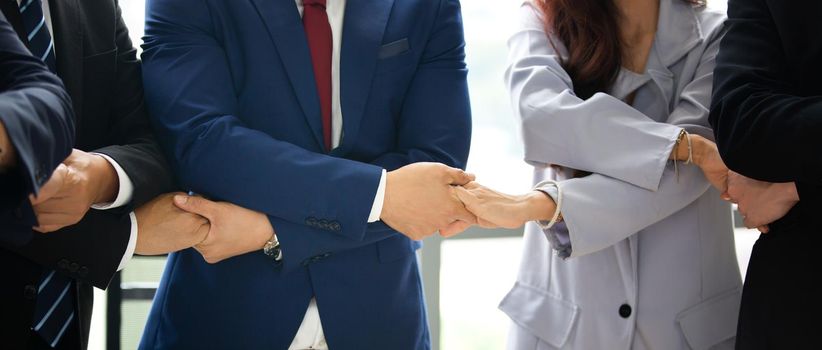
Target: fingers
x=466, y=197
x=50, y=222
x=472, y=185
x=52, y=187
x=454, y=228
x=196, y=205
x=459, y=177
x=461, y=211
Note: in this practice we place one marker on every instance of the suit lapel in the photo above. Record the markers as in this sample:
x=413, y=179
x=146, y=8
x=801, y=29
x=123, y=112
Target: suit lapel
x=282, y=20
x=67, y=25
x=363, y=28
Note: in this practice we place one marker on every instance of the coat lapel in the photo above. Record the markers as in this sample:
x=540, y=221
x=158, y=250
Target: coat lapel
x=282, y=20
x=67, y=25
x=363, y=29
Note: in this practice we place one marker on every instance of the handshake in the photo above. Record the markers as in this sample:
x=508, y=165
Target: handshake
x=422, y=199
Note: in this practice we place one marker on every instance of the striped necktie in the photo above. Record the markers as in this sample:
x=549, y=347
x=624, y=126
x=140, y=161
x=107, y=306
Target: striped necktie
x=54, y=311
x=37, y=32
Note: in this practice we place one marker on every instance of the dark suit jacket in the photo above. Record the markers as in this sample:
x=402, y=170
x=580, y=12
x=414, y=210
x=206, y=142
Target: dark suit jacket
x=98, y=64
x=36, y=112
x=767, y=116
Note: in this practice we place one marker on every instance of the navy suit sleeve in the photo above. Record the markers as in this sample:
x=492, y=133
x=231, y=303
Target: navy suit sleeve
x=36, y=112
x=759, y=122
x=195, y=109
x=441, y=77
x=434, y=126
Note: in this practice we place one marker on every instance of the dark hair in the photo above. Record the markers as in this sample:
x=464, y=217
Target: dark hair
x=590, y=31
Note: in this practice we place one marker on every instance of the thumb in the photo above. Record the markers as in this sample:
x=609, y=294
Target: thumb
x=459, y=177
x=454, y=228
x=195, y=205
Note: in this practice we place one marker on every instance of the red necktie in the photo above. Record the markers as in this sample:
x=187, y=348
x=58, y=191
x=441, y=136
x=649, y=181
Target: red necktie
x=318, y=32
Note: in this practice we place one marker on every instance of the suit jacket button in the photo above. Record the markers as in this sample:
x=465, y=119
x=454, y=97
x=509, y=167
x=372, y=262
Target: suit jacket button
x=63, y=264
x=625, y=311
x=29, y=292
x=74, y=267
x=83, y=272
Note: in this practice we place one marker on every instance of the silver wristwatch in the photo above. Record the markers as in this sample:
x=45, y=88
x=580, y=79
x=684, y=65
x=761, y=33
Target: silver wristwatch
x=272, y=248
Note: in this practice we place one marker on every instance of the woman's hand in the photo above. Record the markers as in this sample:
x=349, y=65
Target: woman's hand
x=234, y=230
x=494, y=209
x=706, y=156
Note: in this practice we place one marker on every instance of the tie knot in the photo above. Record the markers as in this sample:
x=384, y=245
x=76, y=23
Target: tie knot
x=314, y=3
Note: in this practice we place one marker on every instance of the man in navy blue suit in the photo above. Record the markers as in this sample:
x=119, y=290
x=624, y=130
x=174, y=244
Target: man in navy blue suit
x=310, y=113
x=36, y=133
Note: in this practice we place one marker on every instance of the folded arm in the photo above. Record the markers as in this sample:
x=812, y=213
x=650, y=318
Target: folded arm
x=615, y=133
x=38, y=129
x=754, y=100
x=217, y=154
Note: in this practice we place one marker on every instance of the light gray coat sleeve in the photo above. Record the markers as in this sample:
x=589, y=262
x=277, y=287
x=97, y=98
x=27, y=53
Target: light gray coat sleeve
x=602, y=134
x=627, y=151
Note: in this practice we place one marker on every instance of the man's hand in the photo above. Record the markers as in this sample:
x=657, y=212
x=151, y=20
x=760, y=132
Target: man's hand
x=7, y=154
x=420, y=199
x=163, y=228
x=760, y=203
x=233, y=231
x=495, y=209
x=82, y=180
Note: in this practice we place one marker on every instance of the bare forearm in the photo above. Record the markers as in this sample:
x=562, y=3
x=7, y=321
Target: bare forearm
x=7, y=154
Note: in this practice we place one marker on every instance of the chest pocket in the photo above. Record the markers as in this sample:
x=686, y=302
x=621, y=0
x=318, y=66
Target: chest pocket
x=395, y=56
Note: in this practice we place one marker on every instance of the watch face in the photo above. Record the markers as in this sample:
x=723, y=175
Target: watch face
x=272, y=249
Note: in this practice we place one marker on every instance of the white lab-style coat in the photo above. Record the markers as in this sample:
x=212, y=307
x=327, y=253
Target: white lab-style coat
x=648, y=258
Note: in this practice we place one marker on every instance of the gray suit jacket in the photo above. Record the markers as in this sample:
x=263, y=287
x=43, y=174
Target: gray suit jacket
x=651, y=262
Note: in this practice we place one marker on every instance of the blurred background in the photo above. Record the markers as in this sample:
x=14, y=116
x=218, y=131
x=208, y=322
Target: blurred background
x=465, y=277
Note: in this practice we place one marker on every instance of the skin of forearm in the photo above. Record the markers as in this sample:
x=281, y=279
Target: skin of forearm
x=7, y=155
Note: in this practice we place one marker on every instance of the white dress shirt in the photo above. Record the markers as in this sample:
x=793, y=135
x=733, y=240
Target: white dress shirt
x=126, y=190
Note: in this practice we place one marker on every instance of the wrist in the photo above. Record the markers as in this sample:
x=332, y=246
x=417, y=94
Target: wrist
x=701, y=148
x=788, y=191
x=385, y=213
x=105, y=180
x=7, y=156
x=538, y=206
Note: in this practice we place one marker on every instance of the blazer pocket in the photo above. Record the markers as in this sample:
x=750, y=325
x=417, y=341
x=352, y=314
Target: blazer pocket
x=394, y=57
x=711, y=321
x=547, y=317
x=393, y=48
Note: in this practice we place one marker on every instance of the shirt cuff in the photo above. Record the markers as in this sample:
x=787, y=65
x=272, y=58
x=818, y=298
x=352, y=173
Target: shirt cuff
x=379, y=199
x=132, y=242
x=551, y=188
x=555, y=230
x=125, y=192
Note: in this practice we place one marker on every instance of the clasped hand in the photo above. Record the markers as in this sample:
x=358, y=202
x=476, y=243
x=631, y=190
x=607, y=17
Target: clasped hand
x=424, y=198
